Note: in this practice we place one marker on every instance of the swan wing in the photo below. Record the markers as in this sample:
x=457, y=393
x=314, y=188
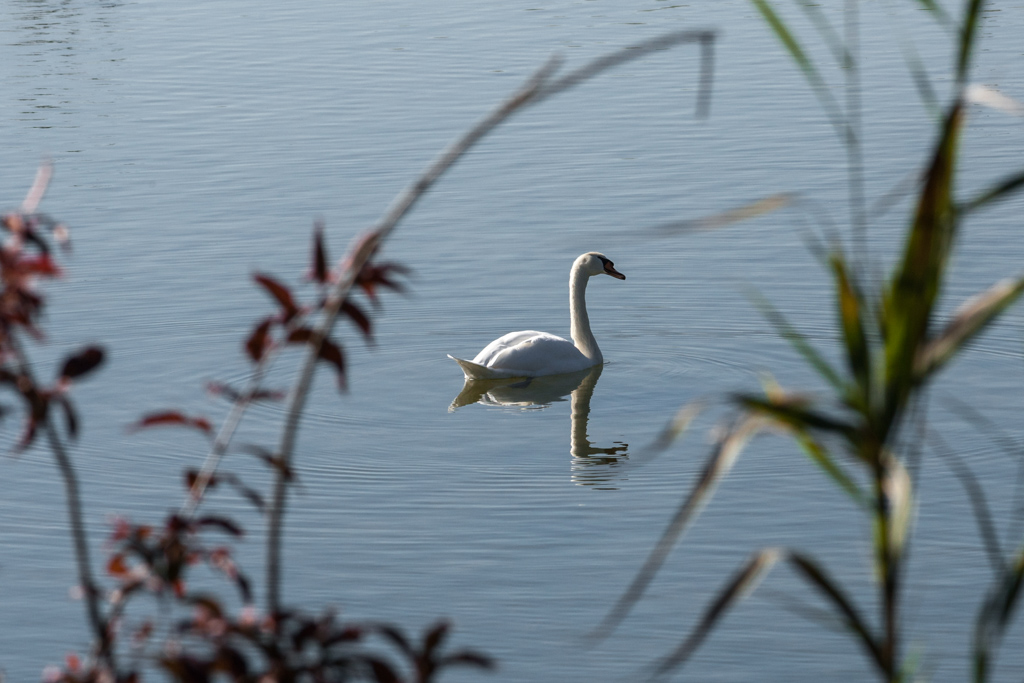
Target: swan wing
x=532, y=354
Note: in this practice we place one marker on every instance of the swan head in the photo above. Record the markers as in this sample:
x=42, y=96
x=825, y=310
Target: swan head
x=594, y=263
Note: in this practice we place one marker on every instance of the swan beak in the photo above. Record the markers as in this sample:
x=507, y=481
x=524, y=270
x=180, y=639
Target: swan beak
x=609, y=269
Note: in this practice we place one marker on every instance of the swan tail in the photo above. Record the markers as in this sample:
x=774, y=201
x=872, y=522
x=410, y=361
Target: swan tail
x=475, y=371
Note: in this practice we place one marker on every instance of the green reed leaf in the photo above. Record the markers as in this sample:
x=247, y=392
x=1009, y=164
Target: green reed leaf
x=910, y=299
x=821, y=457
x=792, y=412
x=998, y=191
x=851, y=318
x=811, y=572
x=968, y=32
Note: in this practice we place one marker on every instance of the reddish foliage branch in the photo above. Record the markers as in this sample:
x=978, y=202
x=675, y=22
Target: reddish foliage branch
x=26, y=259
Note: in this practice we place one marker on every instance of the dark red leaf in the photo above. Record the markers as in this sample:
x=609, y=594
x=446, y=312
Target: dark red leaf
x=39, y=265
x=331, y=352
x=271, y=459
x=304, y=634
x=259, y=341
x=117, y=566
x=435, y=637
x=319, y=254
x=357, y=316
x=397, y=638
x=171, y=419
x=192, y=475
x=301, y=335
x=382, y=671
x=209, y=603
x=232, y=661
x=222, y=523
x=254, y=497
x=374, y=275
x=83, y=362
x=279, y=292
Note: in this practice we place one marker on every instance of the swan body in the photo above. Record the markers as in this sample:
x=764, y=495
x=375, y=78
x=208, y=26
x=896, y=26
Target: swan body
x=536, y=354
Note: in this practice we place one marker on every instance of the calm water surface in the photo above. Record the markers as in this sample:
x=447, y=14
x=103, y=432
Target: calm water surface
x=196, y=142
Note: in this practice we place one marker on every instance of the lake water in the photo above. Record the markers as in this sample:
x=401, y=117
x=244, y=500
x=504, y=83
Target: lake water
x=196, y=142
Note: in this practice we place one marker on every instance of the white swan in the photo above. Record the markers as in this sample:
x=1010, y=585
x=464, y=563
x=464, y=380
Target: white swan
x=536, y=354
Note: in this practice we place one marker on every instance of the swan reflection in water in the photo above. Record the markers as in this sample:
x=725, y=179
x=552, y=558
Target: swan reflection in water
x=591, y=465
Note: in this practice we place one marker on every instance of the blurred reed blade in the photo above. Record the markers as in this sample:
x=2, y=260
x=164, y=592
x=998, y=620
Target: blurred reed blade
x=937, y=10
x=792, y=413
x=907, y=184
x=921, y=81
x=977, y=93
x=720, y=220
x=811, y=73
x=724, y=455
x=915, y=286
x=998, y=191
x=858, y=353
x=676, y=427
x=816, y=576
x=821, y=457
x=976, y=496
x=741, y=584
x=968, y=31
x=549, y=85
x=828, y=34
x=995, y=614
x=985, y=427
x=973, y=316
x=799, y=342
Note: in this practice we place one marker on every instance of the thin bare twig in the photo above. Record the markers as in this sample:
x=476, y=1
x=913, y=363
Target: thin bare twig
x=90, y=590
x=220, y=446
x=76, y=515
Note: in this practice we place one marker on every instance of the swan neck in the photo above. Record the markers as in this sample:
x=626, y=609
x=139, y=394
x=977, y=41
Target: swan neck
x=582, y=337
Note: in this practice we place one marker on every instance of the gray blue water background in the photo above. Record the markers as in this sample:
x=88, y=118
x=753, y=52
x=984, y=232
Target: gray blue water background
x=196, y=142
